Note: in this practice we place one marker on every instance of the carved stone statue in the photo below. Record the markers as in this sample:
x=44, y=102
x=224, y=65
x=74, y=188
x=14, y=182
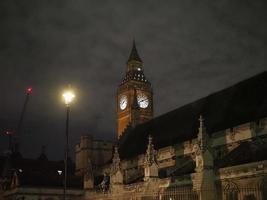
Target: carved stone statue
x=150, y=156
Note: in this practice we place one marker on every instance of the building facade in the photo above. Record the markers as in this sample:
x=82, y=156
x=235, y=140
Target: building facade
x=213, y=148
x=134, y=95
x=227, y=165
x=90, y=153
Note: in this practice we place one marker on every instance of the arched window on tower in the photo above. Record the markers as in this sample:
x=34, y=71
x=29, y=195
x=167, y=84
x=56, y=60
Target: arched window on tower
x=231, y=191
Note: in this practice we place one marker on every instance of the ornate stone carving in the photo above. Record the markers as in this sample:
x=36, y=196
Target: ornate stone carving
x=203, y=179
x=150, y=156
x=202, y=135
x=115, y=161
x=232, y=135
x=115, y=171
x=150, y=162
x=201, y=150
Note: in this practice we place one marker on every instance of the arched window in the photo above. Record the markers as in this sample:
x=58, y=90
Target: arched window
x=231, y=191
x=250, y=197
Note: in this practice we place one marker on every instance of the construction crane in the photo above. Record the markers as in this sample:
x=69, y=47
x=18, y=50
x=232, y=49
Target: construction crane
x=20, y=122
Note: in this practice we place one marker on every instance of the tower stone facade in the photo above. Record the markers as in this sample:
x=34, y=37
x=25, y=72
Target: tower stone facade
x=90, y=153
x=134, y=95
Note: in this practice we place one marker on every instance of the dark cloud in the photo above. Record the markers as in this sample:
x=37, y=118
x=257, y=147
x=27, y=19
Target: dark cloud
x=189, y=48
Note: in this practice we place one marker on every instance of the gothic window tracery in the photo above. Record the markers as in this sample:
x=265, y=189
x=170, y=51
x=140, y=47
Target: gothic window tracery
x=231, y=191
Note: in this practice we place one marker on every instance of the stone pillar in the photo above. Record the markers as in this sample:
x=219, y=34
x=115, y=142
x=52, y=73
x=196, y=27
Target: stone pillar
x=88, y=179
x=151, y=170
x=116, y=174
x=204, y=178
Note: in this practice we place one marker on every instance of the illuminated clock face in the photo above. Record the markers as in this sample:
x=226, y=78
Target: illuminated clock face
x=142, y=100
x=123, y=102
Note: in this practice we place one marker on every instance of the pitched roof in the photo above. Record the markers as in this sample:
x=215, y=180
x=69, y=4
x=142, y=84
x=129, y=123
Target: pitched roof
x=243, y=102
x=251, y=151
x=134, y=54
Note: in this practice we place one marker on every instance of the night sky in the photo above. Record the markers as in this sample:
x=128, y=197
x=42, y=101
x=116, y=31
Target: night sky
x=189, y=48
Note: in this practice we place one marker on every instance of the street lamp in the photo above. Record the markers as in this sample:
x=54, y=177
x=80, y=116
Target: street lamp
x=68, y=97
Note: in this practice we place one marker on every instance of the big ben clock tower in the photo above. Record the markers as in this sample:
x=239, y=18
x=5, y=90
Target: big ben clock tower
x=134, y=95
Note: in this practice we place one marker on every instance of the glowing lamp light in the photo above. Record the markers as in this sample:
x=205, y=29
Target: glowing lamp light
x=29, y=90
x=68, y=97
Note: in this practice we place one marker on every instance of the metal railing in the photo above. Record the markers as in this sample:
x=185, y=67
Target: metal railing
x=183, y=193
x=246, y=193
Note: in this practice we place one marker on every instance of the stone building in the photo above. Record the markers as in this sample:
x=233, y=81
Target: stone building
x=134, y=95
x=212, y=148
x=90, y=153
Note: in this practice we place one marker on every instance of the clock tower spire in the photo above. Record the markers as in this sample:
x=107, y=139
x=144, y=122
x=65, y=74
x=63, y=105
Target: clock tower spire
x=134, y=95
x=134, y=54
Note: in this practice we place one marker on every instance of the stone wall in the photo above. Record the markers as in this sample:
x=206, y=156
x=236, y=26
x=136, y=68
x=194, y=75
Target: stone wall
x=89, y=153
x=222, y=143
x=207, y=180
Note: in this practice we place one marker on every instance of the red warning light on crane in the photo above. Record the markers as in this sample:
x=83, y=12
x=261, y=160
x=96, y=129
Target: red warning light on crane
x=29, y=90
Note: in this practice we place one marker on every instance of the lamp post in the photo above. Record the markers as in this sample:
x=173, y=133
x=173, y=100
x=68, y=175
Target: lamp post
x=9, y=133
x=68, y=97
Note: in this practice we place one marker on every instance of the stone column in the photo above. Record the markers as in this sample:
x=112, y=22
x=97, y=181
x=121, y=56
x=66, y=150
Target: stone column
x=204, y=178
x=88, y=179
x=151, y=170
x=116, y=174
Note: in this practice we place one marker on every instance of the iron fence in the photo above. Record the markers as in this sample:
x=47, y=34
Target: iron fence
x=178, y=193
